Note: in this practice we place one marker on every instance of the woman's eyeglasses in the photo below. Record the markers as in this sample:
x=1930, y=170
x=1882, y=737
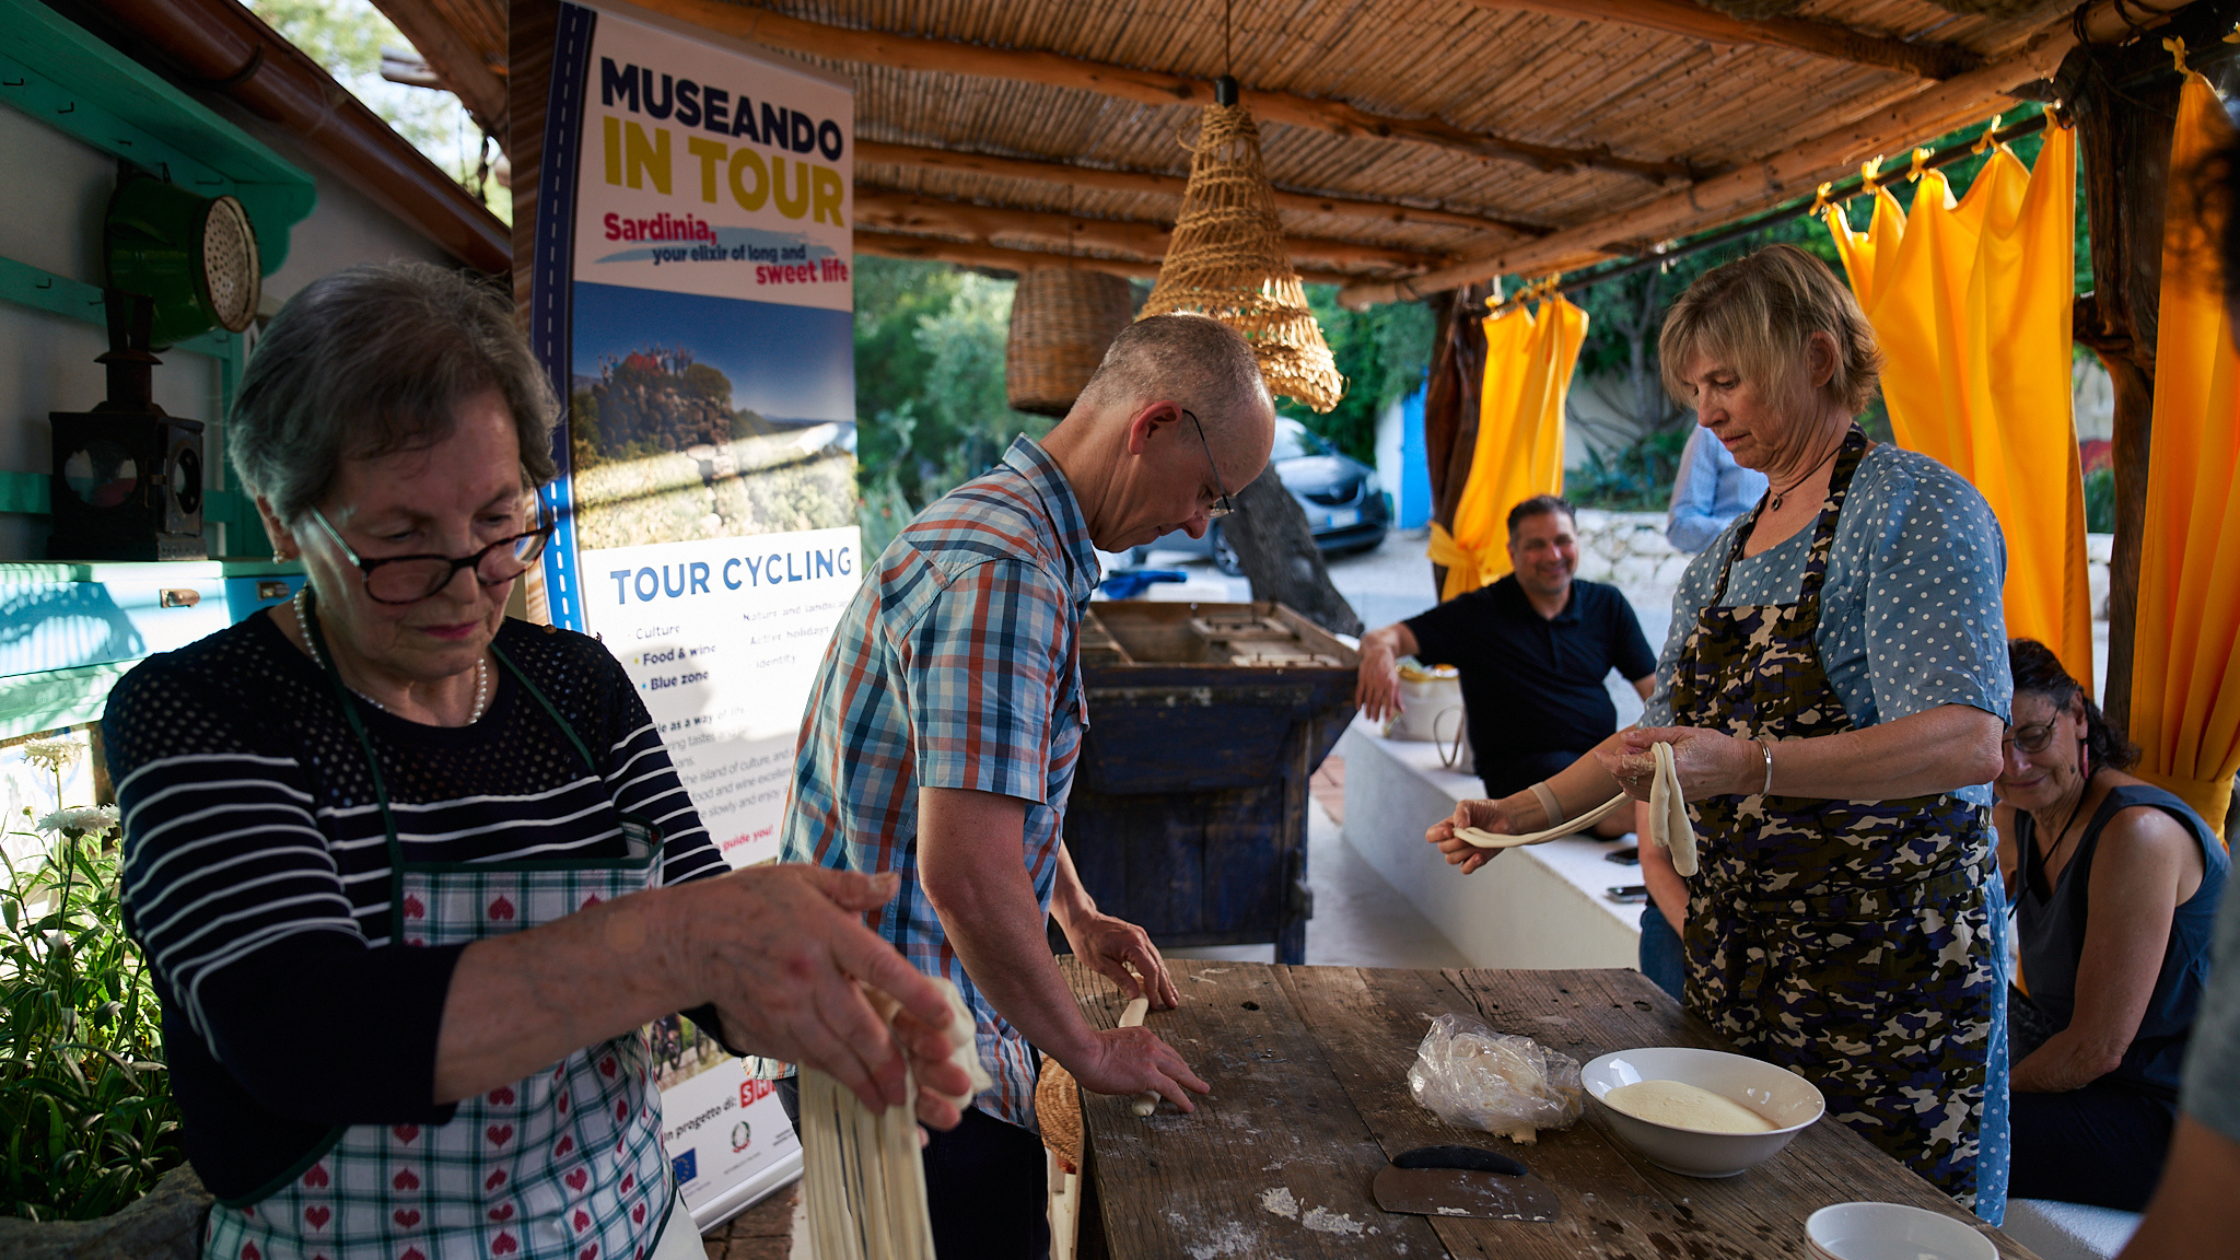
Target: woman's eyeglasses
x=2034, y=738
x=410, y=579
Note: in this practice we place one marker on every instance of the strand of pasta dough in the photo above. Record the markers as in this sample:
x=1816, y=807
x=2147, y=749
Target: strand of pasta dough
x=1145, y=1103
x=865, y=1179
x=1668, y=819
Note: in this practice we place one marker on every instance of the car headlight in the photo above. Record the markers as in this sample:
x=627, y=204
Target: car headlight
x=1371, y=487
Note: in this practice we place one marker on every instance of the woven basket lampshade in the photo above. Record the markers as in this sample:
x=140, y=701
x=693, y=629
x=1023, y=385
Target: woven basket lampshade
x=1227, y=260
x=1061, y=323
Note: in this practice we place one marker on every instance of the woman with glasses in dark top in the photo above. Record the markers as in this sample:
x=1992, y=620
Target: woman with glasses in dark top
x=410, y=876
x=2116, y=883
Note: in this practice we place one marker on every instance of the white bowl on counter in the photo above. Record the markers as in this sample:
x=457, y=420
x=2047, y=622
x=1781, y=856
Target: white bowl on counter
x=1892, y=1231
x=1788, y=1101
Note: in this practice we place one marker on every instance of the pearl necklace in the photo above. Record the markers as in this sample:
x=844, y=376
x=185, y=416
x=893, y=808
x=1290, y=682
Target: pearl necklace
x=481, y=663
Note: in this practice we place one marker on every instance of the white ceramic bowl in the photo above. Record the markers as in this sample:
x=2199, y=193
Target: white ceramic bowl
x=1776, y=1093
x=1893, y=1231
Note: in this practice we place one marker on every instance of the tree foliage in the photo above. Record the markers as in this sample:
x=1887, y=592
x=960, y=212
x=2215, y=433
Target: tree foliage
x=346, y=38
x=931, y=408
x=1383, y=353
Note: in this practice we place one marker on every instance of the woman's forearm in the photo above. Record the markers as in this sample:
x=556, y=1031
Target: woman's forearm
x=1939, y=750
x=522, y=1002
x=1578, y=787
x=2070, y=1059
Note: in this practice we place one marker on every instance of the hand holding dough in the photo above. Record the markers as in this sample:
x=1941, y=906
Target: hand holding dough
x=1668, y=814
x=1668, y=819
x=1148, y=1101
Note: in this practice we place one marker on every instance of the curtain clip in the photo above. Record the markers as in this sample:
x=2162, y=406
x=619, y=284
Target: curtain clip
x=1920, y=164
x=1870, y=175
x=1819, y=202
x=2177, y=46
x=1985, y=141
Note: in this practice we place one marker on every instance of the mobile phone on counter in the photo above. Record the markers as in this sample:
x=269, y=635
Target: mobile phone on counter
x=1628, y=856
x=1629, y=894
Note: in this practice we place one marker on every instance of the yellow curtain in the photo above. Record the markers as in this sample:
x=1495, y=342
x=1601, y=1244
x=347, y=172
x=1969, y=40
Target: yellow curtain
x=2185, y=680
x=1971, y=301
x=1519, y=453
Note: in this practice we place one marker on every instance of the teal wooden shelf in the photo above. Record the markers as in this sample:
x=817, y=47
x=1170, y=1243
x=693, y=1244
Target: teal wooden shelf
x=55, y=71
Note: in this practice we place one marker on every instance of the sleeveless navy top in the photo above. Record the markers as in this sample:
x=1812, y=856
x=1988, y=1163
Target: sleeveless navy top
x=2053, y=927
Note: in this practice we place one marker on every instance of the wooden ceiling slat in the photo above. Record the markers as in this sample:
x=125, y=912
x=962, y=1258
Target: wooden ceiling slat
x=1812, y=35
x=1004, y=258
x=1167, y=185
x=890, y=210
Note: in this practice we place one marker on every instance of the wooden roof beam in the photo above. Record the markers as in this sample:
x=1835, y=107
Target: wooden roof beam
x=1166, y=184
x=967, y=254
x=478, y=86
x=882, y=208
x=1821, y=38
x=1148, y=87
x=1772, y=180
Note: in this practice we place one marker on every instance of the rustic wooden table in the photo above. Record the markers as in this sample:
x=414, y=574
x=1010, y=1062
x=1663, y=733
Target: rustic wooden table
x=1310, y=1095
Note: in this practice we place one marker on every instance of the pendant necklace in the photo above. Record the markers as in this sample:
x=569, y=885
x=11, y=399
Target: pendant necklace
x=481, y=663
x=1778, y=495
x=2061, y=837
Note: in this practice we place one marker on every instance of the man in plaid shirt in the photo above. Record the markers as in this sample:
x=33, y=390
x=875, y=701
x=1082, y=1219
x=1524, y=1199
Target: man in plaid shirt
x=942, y=734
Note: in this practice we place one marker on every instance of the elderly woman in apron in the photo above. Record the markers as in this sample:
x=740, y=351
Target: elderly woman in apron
x=1834, y=688
x=412, y=876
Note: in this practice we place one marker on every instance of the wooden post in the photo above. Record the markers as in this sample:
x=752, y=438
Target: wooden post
x=2125, y=138
x=1450, y=401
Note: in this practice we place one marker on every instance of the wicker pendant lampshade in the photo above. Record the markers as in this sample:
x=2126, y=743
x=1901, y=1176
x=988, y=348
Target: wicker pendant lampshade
x=1227, y=259
x=1061, y=323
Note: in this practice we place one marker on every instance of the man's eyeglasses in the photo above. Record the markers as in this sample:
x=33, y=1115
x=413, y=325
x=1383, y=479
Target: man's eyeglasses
x=410, y=579
x=1221, y=506
x=2035, y=738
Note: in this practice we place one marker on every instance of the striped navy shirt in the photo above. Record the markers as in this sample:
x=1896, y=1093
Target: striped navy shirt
x=256, y=873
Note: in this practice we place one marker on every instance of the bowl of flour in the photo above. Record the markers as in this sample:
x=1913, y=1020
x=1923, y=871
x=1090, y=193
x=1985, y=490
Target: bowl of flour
x=1701, y=1113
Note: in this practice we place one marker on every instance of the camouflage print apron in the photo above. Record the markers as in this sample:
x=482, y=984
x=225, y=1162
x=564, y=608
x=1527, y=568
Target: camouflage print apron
x=565, y=1164
x=1848, y=940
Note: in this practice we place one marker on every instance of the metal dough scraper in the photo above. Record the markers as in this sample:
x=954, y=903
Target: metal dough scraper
x=1463, y=1181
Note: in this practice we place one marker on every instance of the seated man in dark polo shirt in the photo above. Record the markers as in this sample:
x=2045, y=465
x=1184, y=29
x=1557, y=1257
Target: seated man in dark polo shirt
x=1533, y=650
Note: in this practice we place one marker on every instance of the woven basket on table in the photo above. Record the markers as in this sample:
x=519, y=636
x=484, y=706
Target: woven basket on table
x=1061, y=323
x=1227, y=260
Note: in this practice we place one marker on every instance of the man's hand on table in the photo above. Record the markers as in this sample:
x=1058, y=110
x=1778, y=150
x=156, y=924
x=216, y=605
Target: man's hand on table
x=1122, y=952
x=1135, y=1061
x=1485, y=816
x=781, y=950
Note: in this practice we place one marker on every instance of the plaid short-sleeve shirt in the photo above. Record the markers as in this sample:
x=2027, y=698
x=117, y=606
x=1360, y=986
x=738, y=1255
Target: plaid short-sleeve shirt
x=956, y=666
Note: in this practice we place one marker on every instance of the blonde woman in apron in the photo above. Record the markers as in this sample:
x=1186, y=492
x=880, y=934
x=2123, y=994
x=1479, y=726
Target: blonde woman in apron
x=410, y=876
x=1834, y=688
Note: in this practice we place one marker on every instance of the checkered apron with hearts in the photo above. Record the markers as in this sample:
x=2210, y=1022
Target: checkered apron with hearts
x=564, y=1165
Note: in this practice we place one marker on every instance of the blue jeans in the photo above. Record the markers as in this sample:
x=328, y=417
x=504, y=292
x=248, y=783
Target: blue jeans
x=1995, y=1144
x=1663, y=959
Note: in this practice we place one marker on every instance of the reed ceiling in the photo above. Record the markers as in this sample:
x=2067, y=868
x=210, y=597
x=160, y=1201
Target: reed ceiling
x=1411, y=141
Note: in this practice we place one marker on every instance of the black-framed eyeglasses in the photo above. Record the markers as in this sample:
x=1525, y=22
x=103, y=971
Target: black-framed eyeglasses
x=410, y=579
x=2034, y=738
x=1221, y=506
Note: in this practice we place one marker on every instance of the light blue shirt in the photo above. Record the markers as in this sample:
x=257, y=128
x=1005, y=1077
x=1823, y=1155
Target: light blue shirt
x=1910, y=612
x=1709, y=493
